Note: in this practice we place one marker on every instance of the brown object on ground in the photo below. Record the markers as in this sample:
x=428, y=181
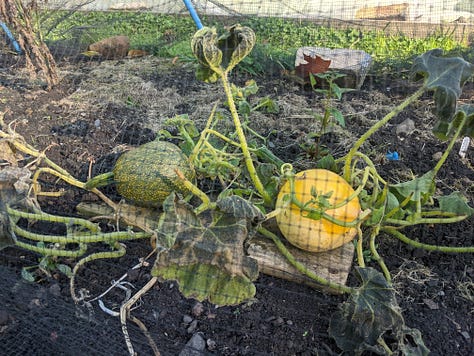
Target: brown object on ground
x=398, y=12
x=112, y=47
x=333, y=265
x=135, y=53
x=38, y=59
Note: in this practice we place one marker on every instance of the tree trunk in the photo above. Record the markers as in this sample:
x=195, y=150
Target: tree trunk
x=39, y=62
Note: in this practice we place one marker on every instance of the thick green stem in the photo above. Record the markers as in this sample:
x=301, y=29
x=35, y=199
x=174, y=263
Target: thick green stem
x=204, y=135
x=447, y=249
x=421, y=220
x=301, y=267
x=375, y=127
x=243, y=142
x=450, y=146
x=118, y=252
x=359, y=247
x=376, y=255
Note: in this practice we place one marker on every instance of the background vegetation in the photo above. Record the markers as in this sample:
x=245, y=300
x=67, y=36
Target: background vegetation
x=277, y=39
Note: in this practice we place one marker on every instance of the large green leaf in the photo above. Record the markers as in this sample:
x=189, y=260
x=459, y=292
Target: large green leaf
x=371, y=320
x=445, y=76
x=207, y=258
x=419, y=188
x=455, y=203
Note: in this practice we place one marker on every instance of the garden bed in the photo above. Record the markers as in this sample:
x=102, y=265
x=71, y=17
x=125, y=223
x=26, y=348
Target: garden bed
x=101, y=106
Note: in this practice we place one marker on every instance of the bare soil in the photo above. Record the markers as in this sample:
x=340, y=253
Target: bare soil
x=100, y=107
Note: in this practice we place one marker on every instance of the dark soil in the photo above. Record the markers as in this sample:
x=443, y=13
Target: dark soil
x=99, y=107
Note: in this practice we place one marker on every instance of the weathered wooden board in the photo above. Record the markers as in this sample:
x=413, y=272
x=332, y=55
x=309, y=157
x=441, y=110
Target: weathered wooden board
x=332, y=265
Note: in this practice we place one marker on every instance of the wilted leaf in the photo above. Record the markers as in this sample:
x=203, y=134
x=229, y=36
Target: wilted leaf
x=204, y=281
x=445, y=76
x=218, y=54
x=240, y=41
x=372, y=315
x=418, y=188
x=238, y=208
x=8, y=154
x=14, y=187
x=313, y=65
x=204, y=46
x=208, y=258
x=455, y=203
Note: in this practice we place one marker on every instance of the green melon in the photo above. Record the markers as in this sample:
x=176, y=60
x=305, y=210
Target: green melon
x=146, y=175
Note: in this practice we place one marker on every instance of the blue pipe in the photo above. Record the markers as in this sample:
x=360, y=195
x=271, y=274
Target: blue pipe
x=14, y=43
x=193, y=13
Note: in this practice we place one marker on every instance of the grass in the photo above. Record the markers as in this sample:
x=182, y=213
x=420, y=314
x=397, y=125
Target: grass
x=278, y=39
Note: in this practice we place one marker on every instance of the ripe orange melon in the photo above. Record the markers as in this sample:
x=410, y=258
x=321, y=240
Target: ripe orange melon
x=310, y=234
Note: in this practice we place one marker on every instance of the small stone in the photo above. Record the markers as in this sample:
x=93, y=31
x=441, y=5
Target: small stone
x=289, y=322
x=211, y=315
x=431, y=304
x=406, y=128
x=197, y=309
x=278, y=321
x=192, y=327
x=195, y=346
x=187, y=319
x=436, y=156
x=211, y=344
x=465, y=335
x=55, y=290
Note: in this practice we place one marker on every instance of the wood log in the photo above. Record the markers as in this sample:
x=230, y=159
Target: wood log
x=332, y=265
x=399, y=12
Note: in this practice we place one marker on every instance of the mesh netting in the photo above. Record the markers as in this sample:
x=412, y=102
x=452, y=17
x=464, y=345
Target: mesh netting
x=146, y=207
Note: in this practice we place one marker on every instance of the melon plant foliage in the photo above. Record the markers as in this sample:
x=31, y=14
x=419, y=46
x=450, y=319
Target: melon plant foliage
x=446, y=76
x=206, y=255
x=371, y=319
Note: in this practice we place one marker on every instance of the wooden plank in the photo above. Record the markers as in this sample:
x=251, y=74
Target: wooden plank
x=398, y=12
x=332, y=265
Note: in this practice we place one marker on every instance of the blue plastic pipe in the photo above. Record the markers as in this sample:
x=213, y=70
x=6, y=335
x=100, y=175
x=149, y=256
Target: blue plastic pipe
x=14, y=43
x=193, y=13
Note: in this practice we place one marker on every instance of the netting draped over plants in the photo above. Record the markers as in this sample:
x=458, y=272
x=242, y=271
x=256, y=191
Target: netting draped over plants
x=257, y=177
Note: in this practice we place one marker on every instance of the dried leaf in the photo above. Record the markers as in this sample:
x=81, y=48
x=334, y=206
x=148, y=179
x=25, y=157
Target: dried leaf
x=8, y=154
x=14, y=187
x=314, y=65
